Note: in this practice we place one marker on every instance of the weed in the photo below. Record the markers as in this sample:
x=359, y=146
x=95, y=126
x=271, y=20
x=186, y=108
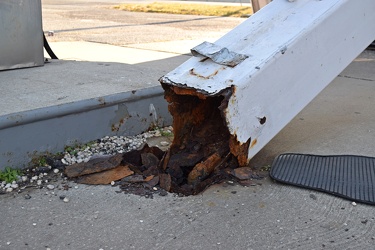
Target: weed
x=73, y=150
x=42, y=161
x=9, y=174
x=266, y=168
x=166, y=133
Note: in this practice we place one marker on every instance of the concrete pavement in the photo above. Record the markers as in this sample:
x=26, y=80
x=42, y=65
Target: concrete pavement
x=265, y=216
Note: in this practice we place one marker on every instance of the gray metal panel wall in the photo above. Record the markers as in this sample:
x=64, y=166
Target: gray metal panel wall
x=27, y=135
x=21, y=34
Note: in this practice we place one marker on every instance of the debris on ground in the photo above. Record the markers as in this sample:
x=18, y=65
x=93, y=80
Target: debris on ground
x=145, y=171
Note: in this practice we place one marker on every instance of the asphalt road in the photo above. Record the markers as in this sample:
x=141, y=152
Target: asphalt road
x=97, y=21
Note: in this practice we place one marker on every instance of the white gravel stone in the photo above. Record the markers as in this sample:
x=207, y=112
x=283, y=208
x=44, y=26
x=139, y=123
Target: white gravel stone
x=24, y=178
x=110, y=146
x=34, y=178
x=66, y=200
x=14, y=185
x=164, y=143
x=9, y=189
x=51, y=187
x=56, y=170
x=39, y=182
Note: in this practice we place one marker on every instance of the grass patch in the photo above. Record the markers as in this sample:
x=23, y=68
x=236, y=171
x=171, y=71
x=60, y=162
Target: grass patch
x=188, y=9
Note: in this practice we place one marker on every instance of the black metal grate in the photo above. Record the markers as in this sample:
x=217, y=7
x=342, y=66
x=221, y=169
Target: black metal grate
x=347, y=176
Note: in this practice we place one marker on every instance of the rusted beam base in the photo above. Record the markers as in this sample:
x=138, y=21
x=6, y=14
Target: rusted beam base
x=203, y=151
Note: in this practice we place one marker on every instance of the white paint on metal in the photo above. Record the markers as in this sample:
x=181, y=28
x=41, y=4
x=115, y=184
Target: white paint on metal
x=295, y=50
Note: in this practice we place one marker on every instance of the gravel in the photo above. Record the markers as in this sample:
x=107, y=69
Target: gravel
x=110, y=145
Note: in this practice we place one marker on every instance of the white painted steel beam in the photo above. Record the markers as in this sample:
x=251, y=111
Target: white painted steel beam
x=293, y=51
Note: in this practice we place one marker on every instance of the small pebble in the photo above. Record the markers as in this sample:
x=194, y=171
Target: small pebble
x=112, y=183
x=354, y=204
x=39, y=182
x=66, y=200
x=56, y=170
x=8, y=243
x=50, y=187
x=27, y=197
x=164, y=143
x=24, y=178
x=9, y=189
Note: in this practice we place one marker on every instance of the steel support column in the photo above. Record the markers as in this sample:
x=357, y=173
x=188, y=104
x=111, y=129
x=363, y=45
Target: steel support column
x=290, y=51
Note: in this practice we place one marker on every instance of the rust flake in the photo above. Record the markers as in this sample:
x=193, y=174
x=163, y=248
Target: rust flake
x=239, y=150
x=192, y=92
x=253, y=143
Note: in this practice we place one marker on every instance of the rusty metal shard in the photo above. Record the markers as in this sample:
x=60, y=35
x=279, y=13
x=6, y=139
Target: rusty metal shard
x=218, y=54
x=106, y=177
x=93, y=166
x=204, y=169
